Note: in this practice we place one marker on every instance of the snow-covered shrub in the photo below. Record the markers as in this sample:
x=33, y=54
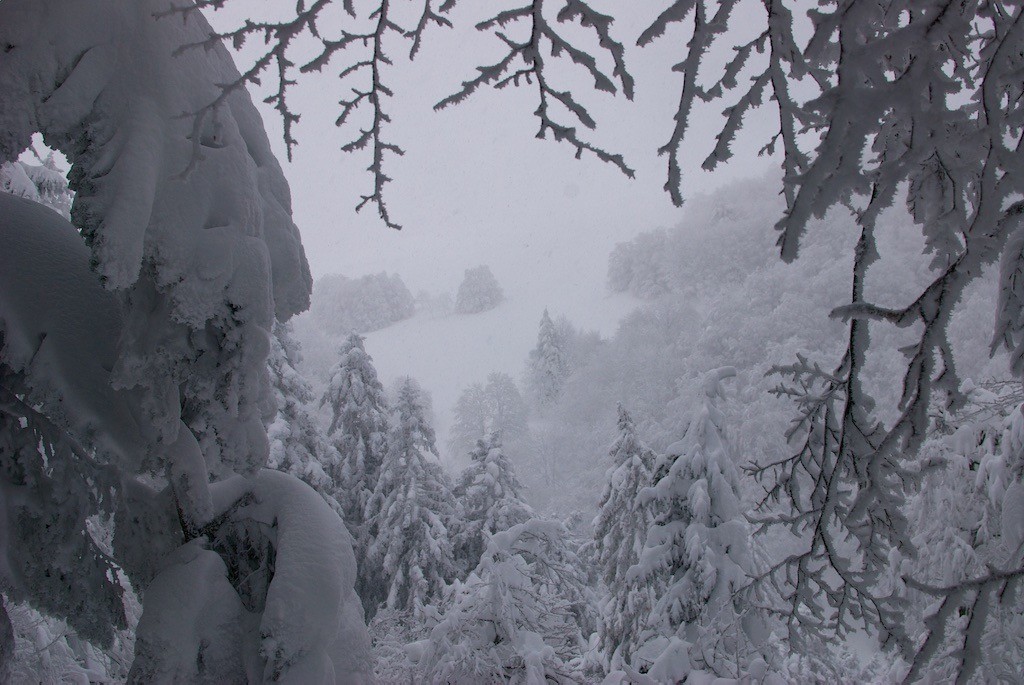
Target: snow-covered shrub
x=342, y=305
x=478, y=292
x=268, y=593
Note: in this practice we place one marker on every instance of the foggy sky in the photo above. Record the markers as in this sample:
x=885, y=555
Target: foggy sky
x=475, y=186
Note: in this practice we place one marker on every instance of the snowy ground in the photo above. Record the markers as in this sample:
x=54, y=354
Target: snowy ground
x=447, y=354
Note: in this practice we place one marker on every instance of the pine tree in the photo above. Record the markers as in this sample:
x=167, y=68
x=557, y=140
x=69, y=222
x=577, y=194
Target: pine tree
x=547, y=366
x=968, y=518
x=297, y=443
x=698, y=549
x=408, y=514
x=489, y=500
x=359, y=425
x=514, y=620
x=620, y=531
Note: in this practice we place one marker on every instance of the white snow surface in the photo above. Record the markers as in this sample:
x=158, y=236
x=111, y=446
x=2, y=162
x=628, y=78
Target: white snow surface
x=446, y=354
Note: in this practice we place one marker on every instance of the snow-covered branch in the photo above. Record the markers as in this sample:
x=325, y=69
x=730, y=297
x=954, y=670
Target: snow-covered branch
x=280, y=39
x=525, y=62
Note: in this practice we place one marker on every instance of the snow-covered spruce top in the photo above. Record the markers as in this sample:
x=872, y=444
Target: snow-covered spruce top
x=213, y=250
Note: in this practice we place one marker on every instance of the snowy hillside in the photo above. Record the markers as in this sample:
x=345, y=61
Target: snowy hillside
x=446, y=353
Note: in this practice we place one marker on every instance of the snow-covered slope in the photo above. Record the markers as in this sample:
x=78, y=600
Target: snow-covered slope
x=447, y=353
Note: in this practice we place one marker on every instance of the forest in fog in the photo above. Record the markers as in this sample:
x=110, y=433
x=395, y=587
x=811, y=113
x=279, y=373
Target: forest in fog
x=536, y=427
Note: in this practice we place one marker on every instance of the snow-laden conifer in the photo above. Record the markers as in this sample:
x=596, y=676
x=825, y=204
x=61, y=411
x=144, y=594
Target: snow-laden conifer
x=489, y=500
x=298, y=444
x=547, y=367
x=407, y=515
x=620, y=532
x=359, y=425
x=514, y=619
x=968, y=523
x=697, y=552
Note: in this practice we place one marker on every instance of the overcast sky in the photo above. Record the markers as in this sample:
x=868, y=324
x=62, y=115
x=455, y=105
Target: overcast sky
x=475, y=185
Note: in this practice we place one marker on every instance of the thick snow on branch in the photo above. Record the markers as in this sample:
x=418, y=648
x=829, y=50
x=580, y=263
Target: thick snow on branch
x=59, y=328
x=192, y=222
x=306, y=627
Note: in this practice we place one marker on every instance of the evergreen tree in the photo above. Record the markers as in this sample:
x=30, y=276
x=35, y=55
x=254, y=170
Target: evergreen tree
x=697, y=553
x=489, y=499
x=470, y=419
x=547, y=365
x=408, y=514
x=515, y=618
x=297, y=443
x=359, y=425
x=620, y=531
x=358, y=431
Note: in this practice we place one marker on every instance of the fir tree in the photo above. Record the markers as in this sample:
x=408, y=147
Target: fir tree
x=515, y=618
x=408, y=514
x=698, y=549
x=358, y=432
x=547, y=365
x=359, y=425
x=620, y=531
x=297, y=443
x=489, y=498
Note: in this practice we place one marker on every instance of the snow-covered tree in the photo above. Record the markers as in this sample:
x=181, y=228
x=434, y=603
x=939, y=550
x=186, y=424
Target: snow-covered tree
x=697, y=554
x=489, y=500
x=358, y=427
x=144, y=369
x=620, y=532
x=512, y=620
x=342, y=306
x=298, y=444
x=408, y=514
x=358, y=431
x=968, y=517
x=497, y=407
x=637, y=267
x=478, y=292
x=40, y=182
x=547, y=367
